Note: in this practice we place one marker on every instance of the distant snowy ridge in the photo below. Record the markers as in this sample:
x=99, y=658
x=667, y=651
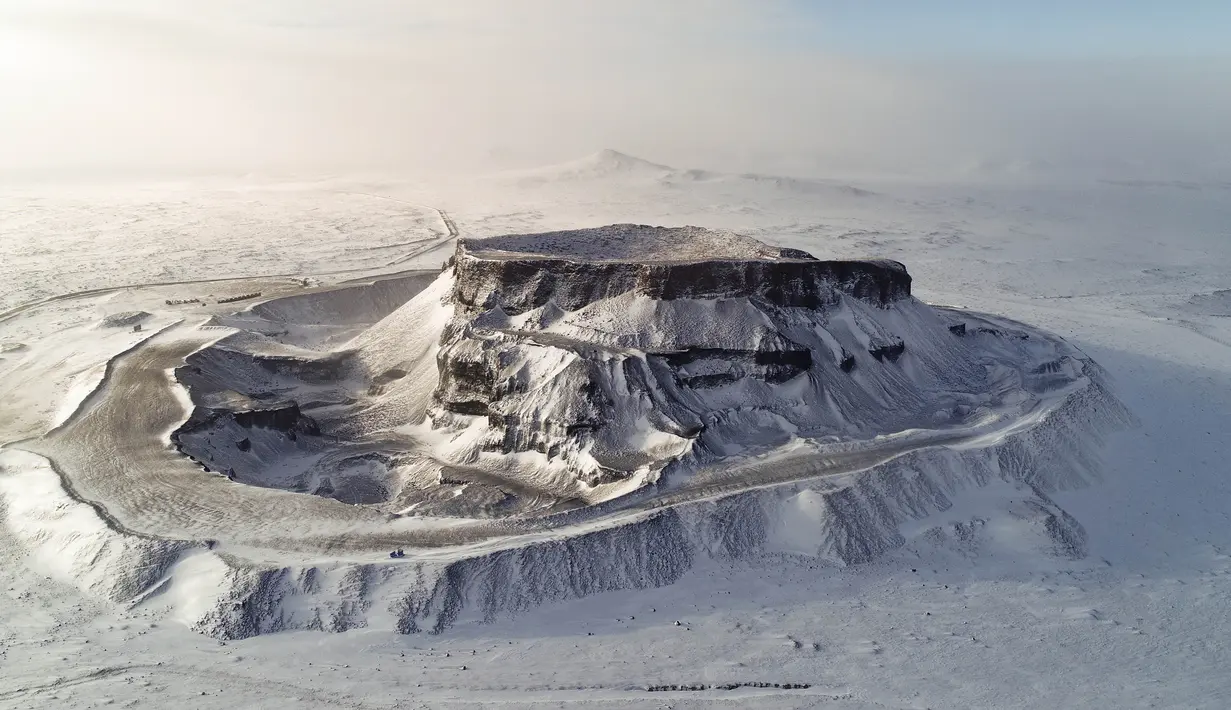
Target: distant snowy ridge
x=602, y=164
x=609, y=165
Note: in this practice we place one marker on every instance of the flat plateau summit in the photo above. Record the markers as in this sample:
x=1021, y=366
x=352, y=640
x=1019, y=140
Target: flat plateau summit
x=638, y=243
x=575, y=268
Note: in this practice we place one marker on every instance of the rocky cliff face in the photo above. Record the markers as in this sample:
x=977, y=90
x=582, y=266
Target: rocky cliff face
x=511, y=273
x=599, y=358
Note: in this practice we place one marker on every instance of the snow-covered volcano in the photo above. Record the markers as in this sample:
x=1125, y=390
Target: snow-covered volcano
x=545, y=417
x=540, y=373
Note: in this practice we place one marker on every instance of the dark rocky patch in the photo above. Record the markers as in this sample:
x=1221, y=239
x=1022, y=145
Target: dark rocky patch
x=693, y=687
x=888, y=351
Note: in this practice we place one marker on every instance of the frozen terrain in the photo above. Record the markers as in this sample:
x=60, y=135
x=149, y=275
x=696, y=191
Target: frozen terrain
x=969, y=549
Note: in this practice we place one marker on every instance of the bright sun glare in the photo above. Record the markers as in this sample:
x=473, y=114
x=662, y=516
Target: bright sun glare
x=30, y=56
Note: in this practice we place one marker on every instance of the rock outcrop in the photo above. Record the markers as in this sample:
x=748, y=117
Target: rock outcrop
x=608, y=354
x=521, y=273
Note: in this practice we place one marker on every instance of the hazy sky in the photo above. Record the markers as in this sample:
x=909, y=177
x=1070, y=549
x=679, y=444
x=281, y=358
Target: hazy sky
x=1133, y=88
x=1046, y=29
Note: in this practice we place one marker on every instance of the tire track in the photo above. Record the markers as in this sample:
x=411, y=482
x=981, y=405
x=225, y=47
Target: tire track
x=451, y=233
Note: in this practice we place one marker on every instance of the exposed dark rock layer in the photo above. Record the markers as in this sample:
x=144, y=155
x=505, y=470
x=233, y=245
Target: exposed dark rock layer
x=507, y=274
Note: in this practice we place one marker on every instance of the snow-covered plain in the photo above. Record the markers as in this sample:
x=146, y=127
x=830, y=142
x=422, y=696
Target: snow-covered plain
x=1133, y=274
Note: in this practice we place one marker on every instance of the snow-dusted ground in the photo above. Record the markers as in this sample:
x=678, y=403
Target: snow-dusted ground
x=1129, y=273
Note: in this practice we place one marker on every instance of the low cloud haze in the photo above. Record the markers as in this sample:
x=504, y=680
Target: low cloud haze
x=415, y=87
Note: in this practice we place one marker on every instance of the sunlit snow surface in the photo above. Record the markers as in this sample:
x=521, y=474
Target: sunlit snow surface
x=973, y=609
